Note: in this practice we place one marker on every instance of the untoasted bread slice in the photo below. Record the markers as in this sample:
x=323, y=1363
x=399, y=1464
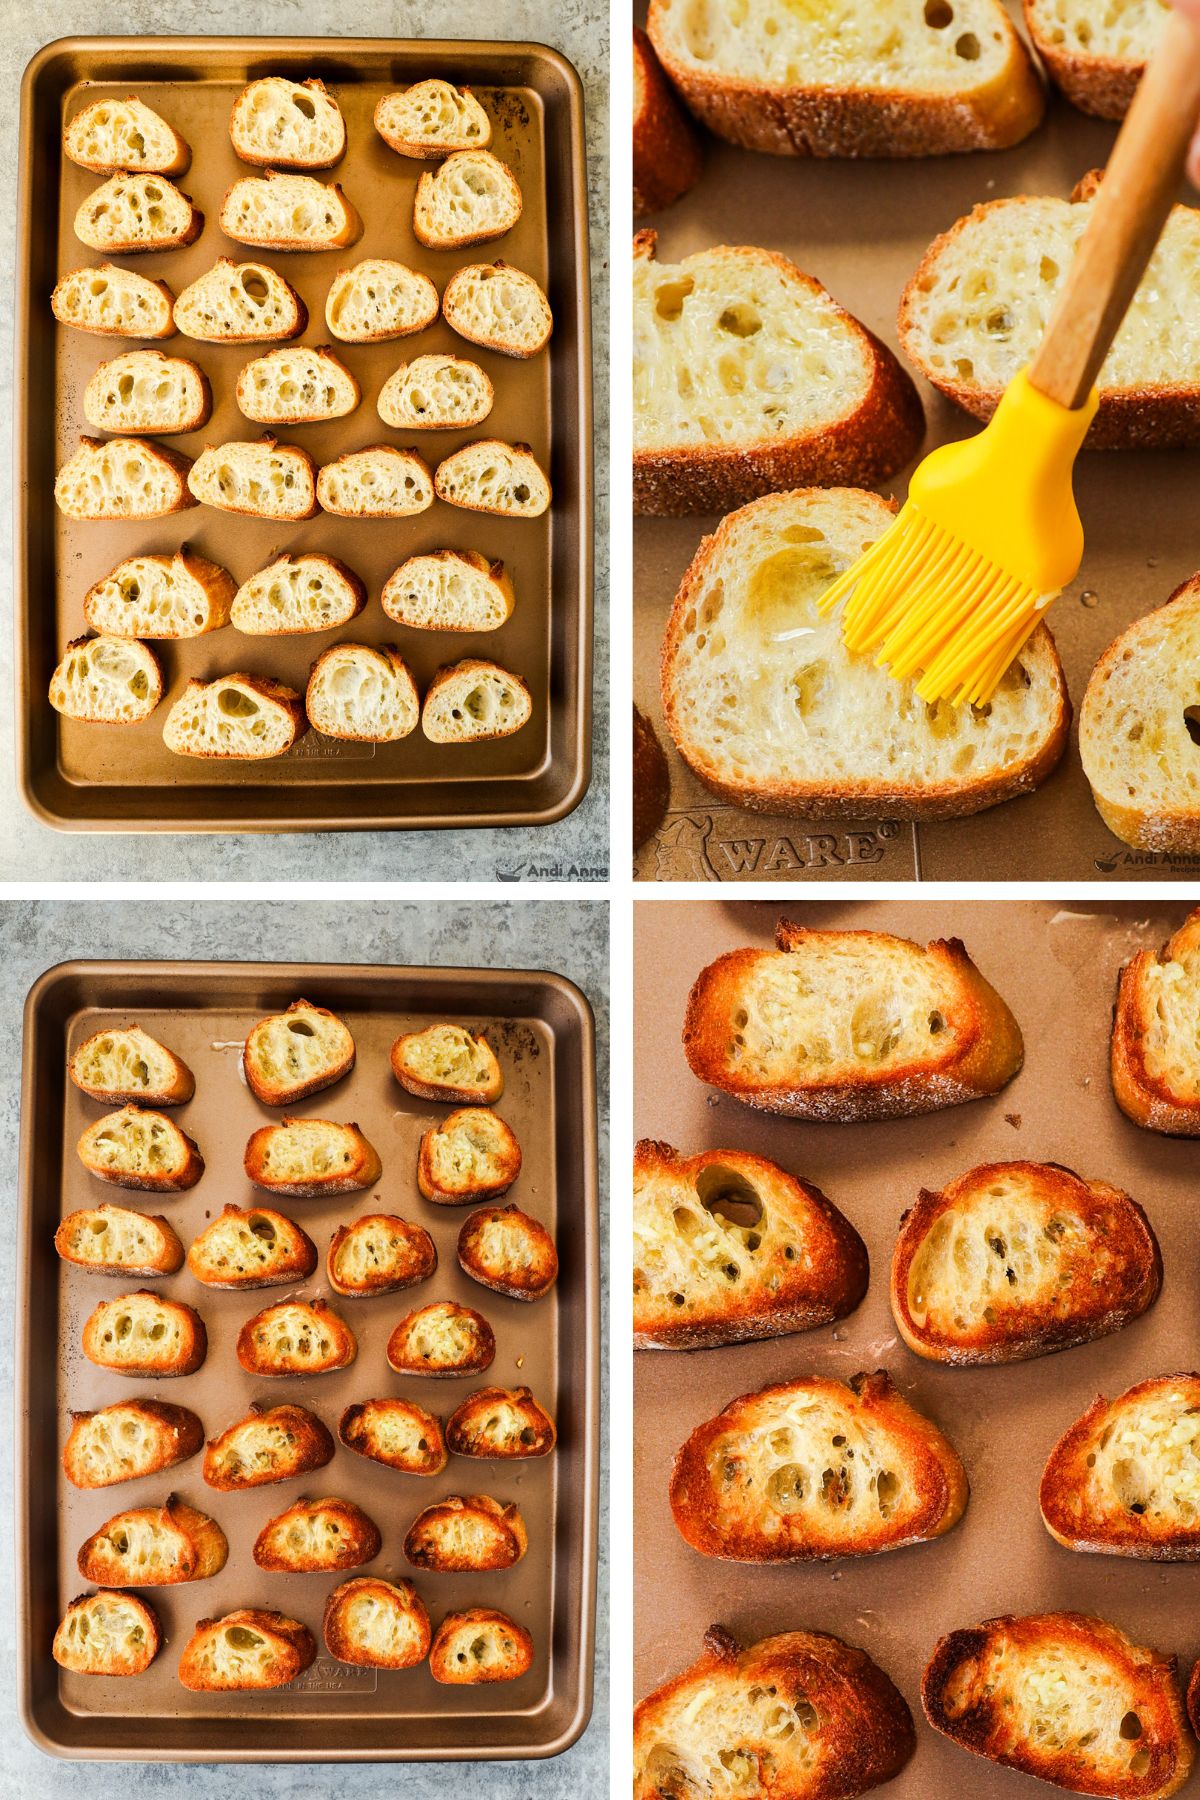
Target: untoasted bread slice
x=290, y=1055
x=479, y=1645
x=296, y=1337
x=666, y=149
x=432, y=119
x=846, y=1026
x=240, y=303
x=449, y=590
x=1064, y=1697
x=501, y=1424
x=124, y=134
x=436, y=393
x=154, y=1546
x=498, y=307
x=107, y=1634
x=315, y=1536
x=1096, y=57
x=112, y=1240
x=816, y=1468
x=494, y=477
x=244, y=1652
x=180, y=596
x=711, y=1729
x=362, y=694
x=270, y=1444
x=307, y=1158
x=379, y=299
x=727, y=1247
x=289, y=212
x=297, y=385
x=293, y=594
x=1121, y=1480
x=287, y=124
x=504, y=1249
x=123, y=478
x=251, y=1248
x=133, y=213
x=379, y=1254
x=442, y=1340
x=144, y=1334
x=127, y=1440
x=143, y=390
x=466, y=1534
x=396, y=1432
x=107, y=681
x=376, y=1624
x=128, y=1064
x=266, y=480
x=468, y=199
x=380, y=482
x=239, y=716
x=1155, y=1056
x=447, y=1062
x=1014, y=1260
x=113, y=302
x=133, y=1148
x=472, y=701
x=470, y=1155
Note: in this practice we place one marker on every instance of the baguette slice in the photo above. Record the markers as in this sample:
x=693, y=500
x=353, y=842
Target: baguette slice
x=376, y=1624
x=307, y=1158
x=143, y=390
x=449, y=590
x=498, y=307
x=847, y=1026
x=816, y=1468
x=112, y=1240
x=124, y=134
x=380, y=482
x=133, y=213
x=296, y=1337
x=245, y=1651
x=290, y=1055
x=240, y=303
x=728, y=1247
x=140, y=1149
x=666, y=149
x=128, y=1440
x=287, y=124
x=251, y=1248
x=473, y=700
x=289, y=212
x=501, y=1424
x=1064, y=1697
x=314, y=1537
x=154, y=1546
x=270, y=1444
x=651, y=781
x=1015, y=1260
x=128, y=1064
x=313, y=592
x=479, y=1645
x=1121, y=1481
x=1155, y=1058
x=107, y=1634
x=852, y=78
x=471, y=1155
x=123, y=478
x=266, y=480
x=442, y=1340
x=733, y=1713
x=468, y=199
x=436, y=393
x=362, y=694
x=113, y=302
x=145, y=1334
x=1096, y=57
x=504, y=1249
x=493, y=477
x=379, y=299
x=432, y=119
x=397, y=1433
x=241, y=717
x=179, y=596
x=379, y=1254
x=749, y=377
x=107, y=681
x=297, y=386
x=466, y=1534
x=447, y=1062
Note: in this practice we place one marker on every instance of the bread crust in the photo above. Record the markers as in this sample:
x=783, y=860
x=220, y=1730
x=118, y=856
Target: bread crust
x=187, y=1546
x=165, y=1258
x=184, y=1172
x=273, y=1089
x=331, y=1343
x=500, y=1424
x=304, y=1445
x=88, y=1655
x=666, y=151
x=1111, y=1523
x=462, y=1185
x=485, y=1093
x=400, y=1598
x=1101, y=85
x=178, y=1087
x=512, y=1648
x=356, y=1538
x=292, y=1256
x=434, y=1540
x=362, y=1169
x=504, y=1249
x=174, y=1435
x=651, y=781
x=404, y=1356
x=102, y=1335
x=406, y=1255
x=364, y=1425
x=290, y=1650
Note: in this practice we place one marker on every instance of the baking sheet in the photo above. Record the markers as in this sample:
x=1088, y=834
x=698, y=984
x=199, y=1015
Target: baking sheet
x=110, y=777
x=541, y=1029
x=1056, y=964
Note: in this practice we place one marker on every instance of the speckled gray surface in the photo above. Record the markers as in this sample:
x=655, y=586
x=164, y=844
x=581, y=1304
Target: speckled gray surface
x=569, y=939
x=576, y=845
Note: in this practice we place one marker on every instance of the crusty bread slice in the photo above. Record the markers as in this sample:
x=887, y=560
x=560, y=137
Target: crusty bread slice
x=448, y=1062
x=468, y=199
x=728, y=1247
x=466, y=1534
x=287, y=124
x=154, y=1546
x=289, y=212
x=251, y=1248
x=124, y=134
x=1096, y=56
x=376, y=1624
x=143, y=391
x=1122, y=1480
x=245, y=1651
x=771, y=711
x=298, y=385
x=126, y=1063
x=107, y=1634
x=436, y=393
x=479, y=1645
x=1155, y=1059
x=314, y=1537
x=113, y=1240
x=500, y=1424
x=311, y=1157
x=179, y=596
x=651, y=780
x=396, y=1432
x=846, y=1026
x=379, y=1254
x=749, y=377
x=442, y=1340
x=469, y=1155
x=145, y=1335
x=504, y=1249
x=379, y=299
x=127, y=1440
x=852, y=77
x=1065, y=1697
x=380, y=482
x=498, y=307
x=362, y=693
x=123, y=478
x=263, y=480
x=296, y=1337
x=493, y=477
x=137, y=1148
x=107, y=681
x=1017, y=1259
x=975, y=311
x=817, y=1713
x=113, y=302
x=312, y=592
x=130, y=214
x=240, y=303
x=432, y=119
x=816, y=1468
x=449, y=590
x=289, y=1055
x=666, y=149
x=270, y=1444
x=238, y=716
x=473, y=700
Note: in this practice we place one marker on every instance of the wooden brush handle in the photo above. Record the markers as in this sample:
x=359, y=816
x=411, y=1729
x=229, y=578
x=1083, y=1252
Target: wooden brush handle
x=1128, y=215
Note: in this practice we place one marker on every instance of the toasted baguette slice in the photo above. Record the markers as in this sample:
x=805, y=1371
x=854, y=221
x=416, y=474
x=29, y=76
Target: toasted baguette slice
x=442, y=1340
x=711, y=1729
x=128, y=1064
x=1155, y=1059
x=107, y=681
x=479, y=1645
x=154, y=1546
x=123, y=478
x=132, y=213
x=307, y=1158
x=289, y=212
x=254, y=1248
x=379, y=299
x=666, y=150
x=315, y=1536
x=473, y=700
x=1096, y=58
x=296, y=1337
x=1121, y=1480
x=270, y=1444
x=447, y=1062
x=240, y=303
x=128, y=1440
x=141, y=1149
x=362, y=694
x=728, y=1247
x=113, y=302
x=449, y=590
x=471, y=1155
x=432, y=119
x=846, y=1026
x=290, y=1055
x=1014, y=1260
x=493, y=477
x=245, y=1652
x=297, y=386
x=466, y=1534
x=468, y=199
x=436, y=393
x=379, y=1254
x=293, y=594
x=379, y=482
x=749, y=377
x=112, y=1240
x=498, y=307
x=266, y=480
x=651, y=781
x=180, y=596
x=853, y=78
x=124, y=134
x=1066, y=1698
x=241, y=717
x=816, y=1468
x=107, y=1634
x=143, y=390
x=396, y=1432
x=504, y=1249
x=501, y=1424
x=287, y=124
x=974, y=313
x=376, y=1624
x=770, y=710
x=147, y=1335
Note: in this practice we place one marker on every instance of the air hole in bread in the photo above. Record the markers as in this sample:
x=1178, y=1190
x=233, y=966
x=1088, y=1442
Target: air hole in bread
x=729, y=1196
x=967, y=47
x=1131, y=1726
x=253, y=285
x=938, y=14
x=1191, y=719
x=740, y=321
x=233, y=702
x=669, y=299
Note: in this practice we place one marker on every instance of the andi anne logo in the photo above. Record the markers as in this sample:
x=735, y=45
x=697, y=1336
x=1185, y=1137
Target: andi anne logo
x=1183, y=862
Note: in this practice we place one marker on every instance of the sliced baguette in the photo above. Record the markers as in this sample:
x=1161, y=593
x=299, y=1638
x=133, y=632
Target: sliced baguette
x=432, y=119
x=297, y=386
x=113, y=302
x=124, y=134
x=130, y=214
x=179, y=596
x=136, y=1148
x=308, y=1158
x=287, y=124
x=749, y=377
x=144, y=391
x=449, y=590
x=666, y=149
x=251, y=1248
x=289, y=212
x=362, y=694
x=467, y=1534
x=379, y=1254
x=500, y=1424
x=239, y=716
x=245, y=1651
x=266, y=480
x=1155, y=1057
x=107, y=1634
x=145, y=1335
x=436, y=393
x=502, y=1248
x=1096, y=57
x=128, y=1440
x=376, y=1624
x=290, y=1055
x=313, y=592
x=296, y=1337
x=498, y=307
x=1015, y=1260
x=128, y=1064
x=314, y=1537
x=442, y=1340
x=240, y=303
x=1122, y=1480
x=728, y=1247
x=380, y=482
x=469, y=1155
x=123, y=478
x=379, y=299
x=651, y=781
x=270, y=1444
x=468, y=199
x=479, y=1645
x=494, y=477
x=473, y=700
x=112, y=1240
x=448, y=1063
x=154, y=1546
x=398, y=1433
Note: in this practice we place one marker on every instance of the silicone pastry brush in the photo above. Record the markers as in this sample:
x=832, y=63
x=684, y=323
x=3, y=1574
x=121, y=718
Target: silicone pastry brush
x=990, y=533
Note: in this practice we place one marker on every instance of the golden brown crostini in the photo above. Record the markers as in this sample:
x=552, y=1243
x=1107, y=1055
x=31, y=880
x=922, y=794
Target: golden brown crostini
x=505, y=1250
x=112, y=1240
x=272, y=1443
x=245, y=1651
x=154, y=1546
x=498, y=1422
x=377, y=1624
x=296, y=1053
x=107, y=1634
x=129, y=1439
x=479, y=1645
x=466, y=1534
x=254, y=1248
x=442, y=1339
x=144, y=1334
x=315, y=1536
x=396, y=1432
x=379, y=1254
x=296, y=1337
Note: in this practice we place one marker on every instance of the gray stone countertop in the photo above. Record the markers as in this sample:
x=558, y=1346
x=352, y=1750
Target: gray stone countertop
x=570, y=939
x=574, y=848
